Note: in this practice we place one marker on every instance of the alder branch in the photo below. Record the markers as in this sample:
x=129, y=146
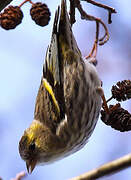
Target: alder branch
x=72, y=12
x=84, y=15
x=77, y=4
x=106, y=169
x=101, y=5
x=108, y=8
x=4, y=3
x=20, y=176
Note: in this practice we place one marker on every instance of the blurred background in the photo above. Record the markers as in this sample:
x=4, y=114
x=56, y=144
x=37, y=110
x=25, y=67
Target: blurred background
x=22, y=53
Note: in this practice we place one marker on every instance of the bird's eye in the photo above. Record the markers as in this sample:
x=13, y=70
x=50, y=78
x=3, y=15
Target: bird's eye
x=32, y=147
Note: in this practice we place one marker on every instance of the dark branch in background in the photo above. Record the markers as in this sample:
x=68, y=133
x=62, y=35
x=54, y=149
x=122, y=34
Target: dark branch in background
x=4, y=3
x=106, y=169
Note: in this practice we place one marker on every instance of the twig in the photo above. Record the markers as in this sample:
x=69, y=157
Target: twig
x=105, y=107
x=4, y=3
x=19, y=176
x=86, y=16
x=93, y=52
x=109, y=17
x=72, y=12
x=25, y=1
x=112, y=10
x=109, y=99
x=106, y=169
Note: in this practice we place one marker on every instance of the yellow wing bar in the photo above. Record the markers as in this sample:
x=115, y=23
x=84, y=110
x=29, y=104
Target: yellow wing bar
x=50, y=91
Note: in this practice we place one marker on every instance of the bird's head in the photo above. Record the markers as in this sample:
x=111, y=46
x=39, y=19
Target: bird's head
x=37, y=145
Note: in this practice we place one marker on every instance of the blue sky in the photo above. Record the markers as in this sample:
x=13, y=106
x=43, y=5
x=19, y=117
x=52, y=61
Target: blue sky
x=22, y=53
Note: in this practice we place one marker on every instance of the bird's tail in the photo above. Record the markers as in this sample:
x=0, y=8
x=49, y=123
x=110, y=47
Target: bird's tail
x=66, y=37
x=62, y=40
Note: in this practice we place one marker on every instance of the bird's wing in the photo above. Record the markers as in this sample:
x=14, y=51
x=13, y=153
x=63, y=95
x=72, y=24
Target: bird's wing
x=50, y=102
x=50, y=106
x=51, y=66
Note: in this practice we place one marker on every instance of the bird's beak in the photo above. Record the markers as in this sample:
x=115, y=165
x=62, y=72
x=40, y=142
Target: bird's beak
x=30, y=165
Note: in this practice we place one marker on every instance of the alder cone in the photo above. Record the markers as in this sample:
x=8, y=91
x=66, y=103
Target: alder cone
x=122, y=90
x=119, y=118
x=11, y=17
x=40, y=13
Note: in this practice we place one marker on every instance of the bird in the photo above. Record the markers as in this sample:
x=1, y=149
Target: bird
x=68, y=100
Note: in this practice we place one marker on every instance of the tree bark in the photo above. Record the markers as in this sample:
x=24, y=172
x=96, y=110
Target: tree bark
x=4, y=3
